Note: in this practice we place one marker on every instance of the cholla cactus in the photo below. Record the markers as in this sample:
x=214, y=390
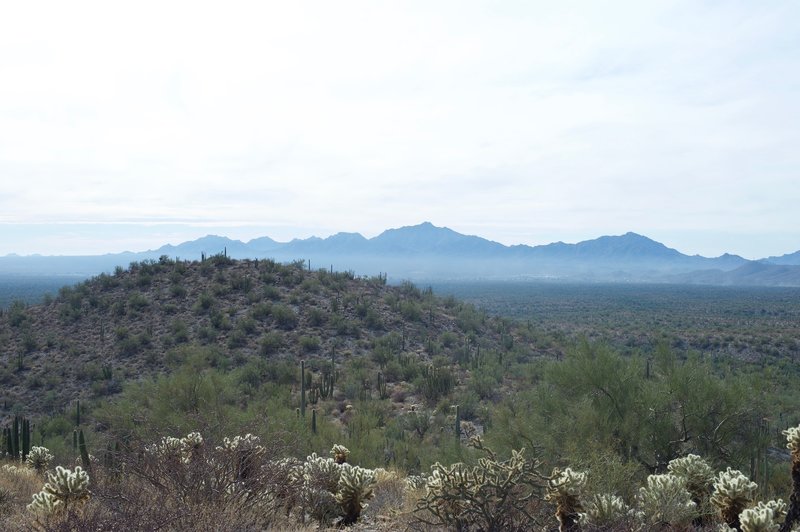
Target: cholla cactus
x=565, y=489
x=793, y=441
x=247, y=442
x=319, y=478
x=44, y=504
x=733, y=492
x=39, y=458
x=182, y=449
x=604, y=511
x=759, y=519
x=193, y=440
x=63, y=489
x=793, y=444
x=18, y=471
x=766, y=517
x=245, y=450
x=778, y=507
x=494, y=495
x=415, y=482
x=698, y=474
x=340, y=453
x=665, y=500
x=354, y=488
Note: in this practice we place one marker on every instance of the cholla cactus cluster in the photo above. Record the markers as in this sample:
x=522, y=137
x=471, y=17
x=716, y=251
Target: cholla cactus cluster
x=330, y=489
x=697, y=472
x=245, y=452
x=18, y=471
x=665, y=501
x=63, y=489
x=39, y=458
x=353, y=490
x=182, y=449
x=565, y=489
x=766, y=517
x=733, y=492
x=490, y=496
x=248, y=442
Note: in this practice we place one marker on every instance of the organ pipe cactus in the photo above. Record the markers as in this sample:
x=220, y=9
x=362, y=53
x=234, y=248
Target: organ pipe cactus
x=733, y=492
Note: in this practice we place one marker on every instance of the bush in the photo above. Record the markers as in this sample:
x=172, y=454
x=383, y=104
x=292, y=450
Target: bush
x=285, y=317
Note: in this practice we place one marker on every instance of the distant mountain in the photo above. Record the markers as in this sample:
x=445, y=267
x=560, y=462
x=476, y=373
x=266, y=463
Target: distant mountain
x=790, y=259
x=210, y=245
x=427, y=239
x=428, y=252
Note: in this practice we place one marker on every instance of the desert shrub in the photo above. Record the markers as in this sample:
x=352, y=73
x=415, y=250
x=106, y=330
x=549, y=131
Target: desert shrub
x=270, y=343
x=309, y=343
x=284, y=316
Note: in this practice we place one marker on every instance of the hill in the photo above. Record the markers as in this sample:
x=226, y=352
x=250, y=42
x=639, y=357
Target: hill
x=93, y=337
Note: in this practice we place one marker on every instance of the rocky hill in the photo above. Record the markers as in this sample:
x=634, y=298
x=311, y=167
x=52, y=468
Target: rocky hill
x=96, y=335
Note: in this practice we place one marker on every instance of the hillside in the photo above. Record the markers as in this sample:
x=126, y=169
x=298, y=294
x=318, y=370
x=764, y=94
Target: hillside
x=111, y=329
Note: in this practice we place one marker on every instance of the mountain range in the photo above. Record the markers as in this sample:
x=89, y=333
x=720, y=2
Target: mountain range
x=427, y=252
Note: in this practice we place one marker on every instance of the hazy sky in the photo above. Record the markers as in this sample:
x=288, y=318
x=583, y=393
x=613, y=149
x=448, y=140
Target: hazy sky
x=127, y=125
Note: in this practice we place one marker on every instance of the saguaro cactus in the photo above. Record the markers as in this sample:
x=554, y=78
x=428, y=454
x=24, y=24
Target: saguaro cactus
x=303, y=388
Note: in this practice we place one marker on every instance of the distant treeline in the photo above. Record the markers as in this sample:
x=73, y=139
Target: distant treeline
x=32, y=288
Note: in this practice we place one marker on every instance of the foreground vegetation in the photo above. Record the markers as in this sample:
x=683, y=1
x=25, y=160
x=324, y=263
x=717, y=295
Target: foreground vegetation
x=410, y=383
x=188, y=484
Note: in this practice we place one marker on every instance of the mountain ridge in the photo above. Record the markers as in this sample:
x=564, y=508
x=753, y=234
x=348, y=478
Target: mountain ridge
x=426, y=251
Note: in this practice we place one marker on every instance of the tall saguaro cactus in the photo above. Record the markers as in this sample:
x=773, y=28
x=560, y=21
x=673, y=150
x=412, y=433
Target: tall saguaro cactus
x=303, y=388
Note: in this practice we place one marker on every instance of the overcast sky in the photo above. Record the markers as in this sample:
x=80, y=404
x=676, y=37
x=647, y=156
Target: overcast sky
x=127, y=125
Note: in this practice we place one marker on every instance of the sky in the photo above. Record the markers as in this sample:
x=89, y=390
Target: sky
x=128, y=125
